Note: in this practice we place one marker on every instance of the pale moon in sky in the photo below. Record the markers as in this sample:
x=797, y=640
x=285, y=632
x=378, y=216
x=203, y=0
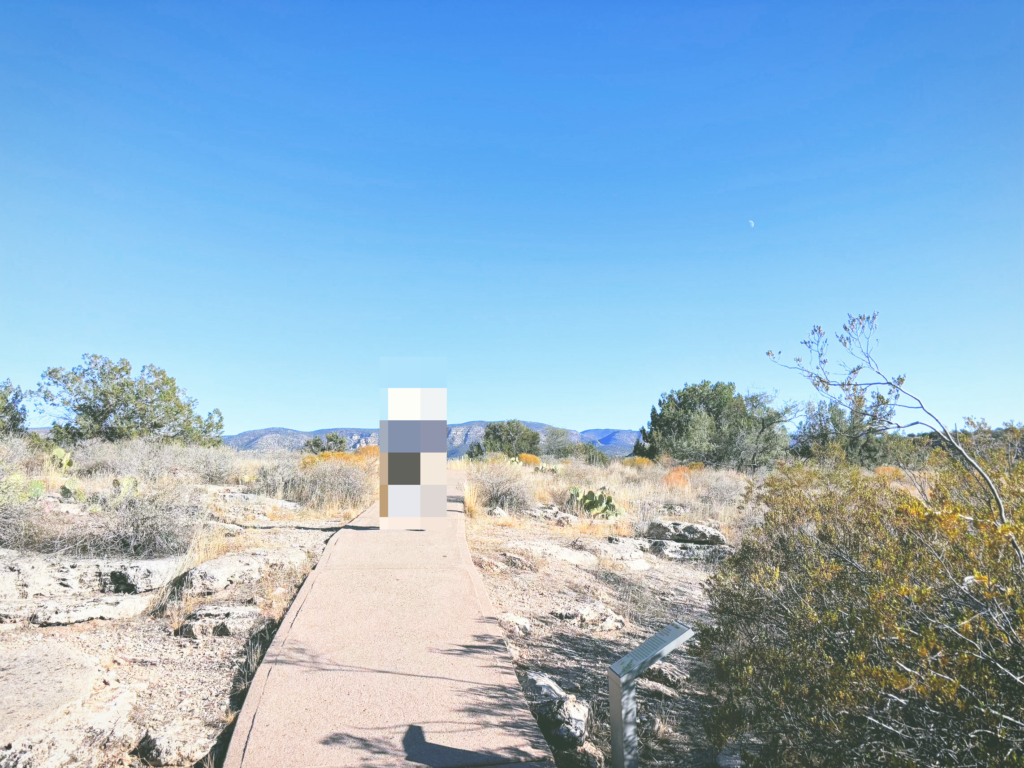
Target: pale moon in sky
x=751, y=223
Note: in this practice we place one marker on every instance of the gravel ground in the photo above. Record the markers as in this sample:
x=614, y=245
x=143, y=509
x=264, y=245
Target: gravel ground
x=538, y=571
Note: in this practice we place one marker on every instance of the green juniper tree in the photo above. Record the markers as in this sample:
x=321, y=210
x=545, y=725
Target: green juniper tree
x=101, y=399
x=13, y=413
x=511, y=438
x=330, y=443
x=716, y=425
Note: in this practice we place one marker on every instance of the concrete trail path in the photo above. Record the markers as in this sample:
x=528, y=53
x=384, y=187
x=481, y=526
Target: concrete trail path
x=389, y=656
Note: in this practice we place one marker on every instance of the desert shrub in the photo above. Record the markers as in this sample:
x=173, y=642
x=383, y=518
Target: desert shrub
x=500, y=484
x=476, y=451
x=678, y=477
x=865, y=625
x=695, y=466
x=591, y=454
x=529, y=460
x=557, y=442
x=637, y=461
x=155, y=524
x=511, y=438
x=324, y=484
x=151, y=460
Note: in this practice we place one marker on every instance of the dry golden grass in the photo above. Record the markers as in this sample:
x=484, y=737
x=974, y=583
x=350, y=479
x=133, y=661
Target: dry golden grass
x=529, y=460
x=471, y=498
x=277, y=588
x=642, y=494
x=637, y=461
x=460, y=463
x=208, y=543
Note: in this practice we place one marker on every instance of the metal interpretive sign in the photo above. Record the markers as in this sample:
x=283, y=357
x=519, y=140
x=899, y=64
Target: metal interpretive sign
x=622, y=677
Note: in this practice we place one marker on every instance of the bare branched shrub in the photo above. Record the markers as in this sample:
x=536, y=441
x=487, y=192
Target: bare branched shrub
x=151, y=460
x=324, y=485
x=156, y=524
x=501, y=484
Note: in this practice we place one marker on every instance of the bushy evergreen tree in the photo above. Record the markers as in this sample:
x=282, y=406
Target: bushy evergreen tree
x=13, y=413
x=102, y=399
x=330, y=443
x=715, y=425
x=511, y=438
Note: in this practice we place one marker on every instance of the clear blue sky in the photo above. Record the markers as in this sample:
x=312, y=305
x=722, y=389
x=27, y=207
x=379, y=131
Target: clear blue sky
x=265, y=198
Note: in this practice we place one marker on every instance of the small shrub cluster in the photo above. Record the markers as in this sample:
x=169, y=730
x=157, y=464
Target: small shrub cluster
x=501, y=484
x=321, y=482
x=152, y=460
x=529, y=460
x=154, y=524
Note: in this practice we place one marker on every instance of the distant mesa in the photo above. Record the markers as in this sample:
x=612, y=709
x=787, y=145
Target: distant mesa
x=614, y=442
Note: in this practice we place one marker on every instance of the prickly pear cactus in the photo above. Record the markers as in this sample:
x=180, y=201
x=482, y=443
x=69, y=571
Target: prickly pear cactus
x=36, y=489
x=72, y=491
x=126, y=486
x=61, y=459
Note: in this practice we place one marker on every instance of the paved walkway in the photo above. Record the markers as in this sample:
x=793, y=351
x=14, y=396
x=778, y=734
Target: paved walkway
x=389, y=656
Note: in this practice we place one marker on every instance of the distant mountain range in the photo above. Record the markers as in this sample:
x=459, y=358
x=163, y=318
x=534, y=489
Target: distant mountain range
x=614, y=442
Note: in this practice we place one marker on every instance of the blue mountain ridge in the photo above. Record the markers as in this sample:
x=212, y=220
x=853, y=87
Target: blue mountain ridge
x=614, y=442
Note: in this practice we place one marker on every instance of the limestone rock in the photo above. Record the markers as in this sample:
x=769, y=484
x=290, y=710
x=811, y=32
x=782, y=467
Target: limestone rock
x=709, y=553
x=514, y=625
x=221, y=620
x=172, y=745
x=564, y=722
x=489, y=565
x=219, y=574
x=629, y=552
x=655, y=690
x=141, y=575
x=55, y=612
x=577, y=557
x=38, y=684
x=665, y=675
x=597, y=617
x=57, y=709
x=515, y=561
x=684, y=533
x=9, y=583
x=497, y=512
x=539, y=687
x=288, y=557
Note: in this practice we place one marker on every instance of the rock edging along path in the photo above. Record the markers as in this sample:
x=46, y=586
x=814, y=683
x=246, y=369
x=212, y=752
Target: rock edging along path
x=388, y=656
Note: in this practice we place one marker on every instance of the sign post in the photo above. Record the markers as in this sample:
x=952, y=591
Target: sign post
x=622, y=677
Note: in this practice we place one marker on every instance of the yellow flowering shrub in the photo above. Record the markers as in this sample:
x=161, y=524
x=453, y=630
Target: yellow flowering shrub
x=868, y=624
